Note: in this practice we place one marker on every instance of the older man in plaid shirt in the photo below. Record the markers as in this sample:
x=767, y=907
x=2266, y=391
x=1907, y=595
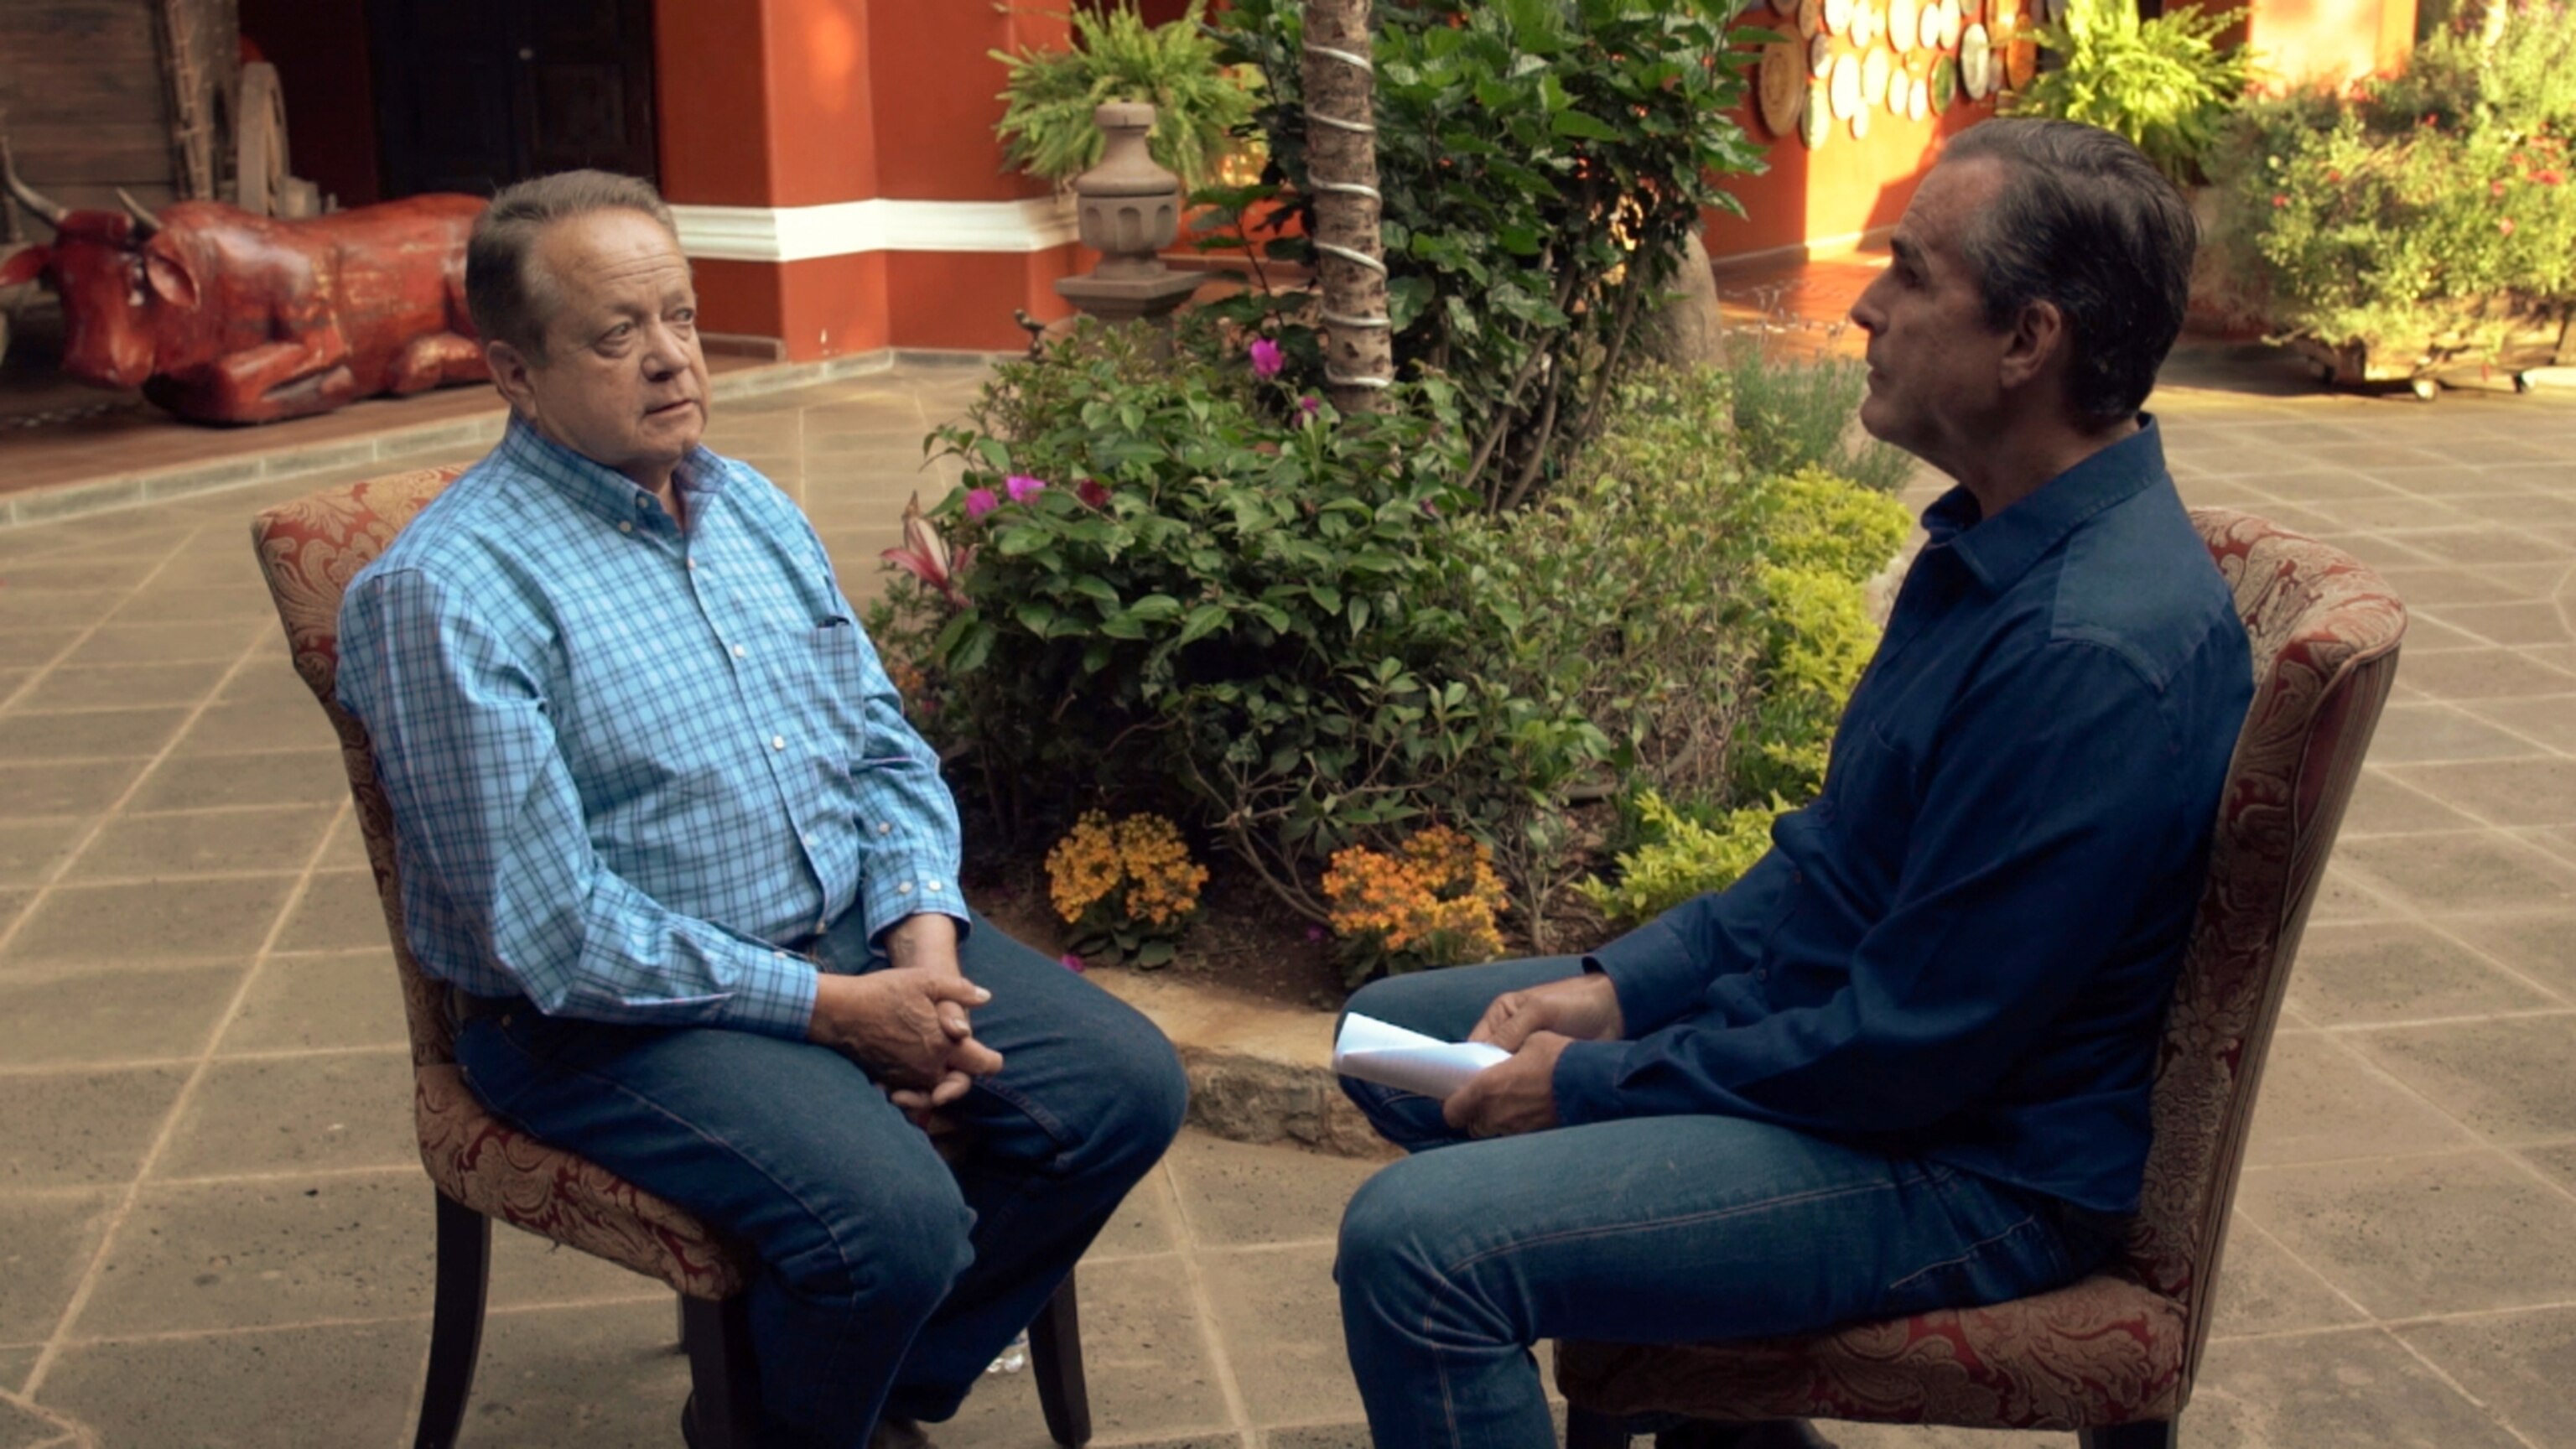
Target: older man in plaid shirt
x=693, y=879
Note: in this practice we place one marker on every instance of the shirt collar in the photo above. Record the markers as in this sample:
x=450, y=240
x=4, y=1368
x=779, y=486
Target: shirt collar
x=1999, y=550
x=602, y=489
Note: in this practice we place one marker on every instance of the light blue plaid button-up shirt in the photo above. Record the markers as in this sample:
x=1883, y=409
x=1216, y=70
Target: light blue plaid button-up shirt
x=627, y=763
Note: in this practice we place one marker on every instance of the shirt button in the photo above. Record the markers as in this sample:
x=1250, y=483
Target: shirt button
x=623, y=527
x=934, y=885
x=885, y=827
x=693, y=565
x=737, y=651
x=904, y=889
x=778, y=742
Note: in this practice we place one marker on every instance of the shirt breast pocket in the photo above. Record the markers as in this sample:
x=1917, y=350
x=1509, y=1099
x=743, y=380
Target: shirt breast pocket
x=1873, y=777
x=839, y=655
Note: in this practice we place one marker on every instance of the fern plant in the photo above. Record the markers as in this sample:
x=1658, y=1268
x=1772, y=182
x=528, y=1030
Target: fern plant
x=1116, y=56
x=2165, y=83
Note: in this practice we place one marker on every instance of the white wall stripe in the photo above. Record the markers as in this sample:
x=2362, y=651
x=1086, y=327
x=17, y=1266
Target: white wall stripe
x=847, y=228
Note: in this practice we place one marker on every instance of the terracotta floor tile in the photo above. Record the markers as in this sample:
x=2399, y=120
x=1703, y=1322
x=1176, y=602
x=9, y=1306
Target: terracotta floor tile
x=329, y=999
x=2318, y=1102
x=2335, y=1388
x=320, y=1113
x=2511, y=1079
x=66, y=1015
x=290, y=1388
x=46, y=1242
x=2399, y=971
x=267, y=1254
x=77, y=1127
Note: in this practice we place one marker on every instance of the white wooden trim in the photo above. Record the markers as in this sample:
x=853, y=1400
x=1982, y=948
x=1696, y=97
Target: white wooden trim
x=847, y=228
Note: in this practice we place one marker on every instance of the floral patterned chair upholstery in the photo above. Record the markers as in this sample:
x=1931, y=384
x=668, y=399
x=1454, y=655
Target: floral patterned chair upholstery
x=482, y=1167
x=2112, y=1356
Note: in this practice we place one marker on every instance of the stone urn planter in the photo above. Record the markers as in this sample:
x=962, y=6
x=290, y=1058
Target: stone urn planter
x=1128, y=209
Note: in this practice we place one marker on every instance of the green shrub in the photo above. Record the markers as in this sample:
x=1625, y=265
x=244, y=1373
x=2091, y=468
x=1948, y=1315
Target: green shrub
x=1793, y=415
x=1541, y=162
x=1679, y=859
x=1199, y=104
x=1216, y=604
x=2165, y=83
x=1707, y=620
x=2428, y=215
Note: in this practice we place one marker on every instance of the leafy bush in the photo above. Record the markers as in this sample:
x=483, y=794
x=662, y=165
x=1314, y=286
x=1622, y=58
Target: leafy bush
x=1189, y=591
x=1126, y=886
x=1679, y=859
x=1706, y=619
x=1199, y=104
x=2428, y=215
x=1541, y=162
x=2165, y=83
x=1430, y=902
x=1793, y=415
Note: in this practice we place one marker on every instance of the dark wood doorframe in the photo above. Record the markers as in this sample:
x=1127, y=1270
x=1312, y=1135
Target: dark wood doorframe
x=475, y=94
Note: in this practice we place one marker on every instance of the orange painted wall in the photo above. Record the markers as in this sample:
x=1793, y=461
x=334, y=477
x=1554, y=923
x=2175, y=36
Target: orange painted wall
x=1841, y=188
x=2334, y=41
x=937, y=95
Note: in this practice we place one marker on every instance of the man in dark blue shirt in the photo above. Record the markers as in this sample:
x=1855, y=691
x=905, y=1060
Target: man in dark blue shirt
x=1904, y=1063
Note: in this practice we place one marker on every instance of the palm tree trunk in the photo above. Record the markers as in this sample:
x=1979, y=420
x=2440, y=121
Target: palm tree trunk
x=1341, y=166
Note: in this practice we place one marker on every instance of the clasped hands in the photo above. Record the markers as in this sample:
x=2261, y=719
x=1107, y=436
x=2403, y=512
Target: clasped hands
x=908, y=1022
x=1535, y=1026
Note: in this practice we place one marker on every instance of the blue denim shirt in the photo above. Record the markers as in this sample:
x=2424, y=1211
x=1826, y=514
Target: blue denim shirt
x=1962, y=949
x=628, y=763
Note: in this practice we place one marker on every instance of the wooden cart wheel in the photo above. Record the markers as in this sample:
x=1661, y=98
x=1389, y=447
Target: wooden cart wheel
x=259, y=141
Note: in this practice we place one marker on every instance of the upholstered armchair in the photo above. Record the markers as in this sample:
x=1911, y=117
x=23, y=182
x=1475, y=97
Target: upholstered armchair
x=481, y=1167
x=2112, y=1357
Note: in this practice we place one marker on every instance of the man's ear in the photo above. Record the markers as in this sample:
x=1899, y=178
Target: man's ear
x=2035, y=347
x=512, y=374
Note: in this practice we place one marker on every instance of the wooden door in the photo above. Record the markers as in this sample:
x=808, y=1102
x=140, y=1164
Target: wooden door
x=475, y=94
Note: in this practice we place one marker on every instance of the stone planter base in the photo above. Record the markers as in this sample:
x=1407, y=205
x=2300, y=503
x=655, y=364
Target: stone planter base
x=2426, y=369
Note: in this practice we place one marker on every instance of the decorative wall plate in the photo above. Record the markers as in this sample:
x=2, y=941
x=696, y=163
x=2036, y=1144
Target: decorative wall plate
x=1918, y=99
x=1929, y=27
x=1867, y=21
x=1838, y=16
x=1784, y=85
x=1873, y=78
x=1950, y=24
x=1860, y=125
x=1820, y=57
x=1846, y=86
x=1904, y=17
x=1816, y=117
x=1976, y=63
x=1945, y=84
x=1785, y=7
x=1811, y=17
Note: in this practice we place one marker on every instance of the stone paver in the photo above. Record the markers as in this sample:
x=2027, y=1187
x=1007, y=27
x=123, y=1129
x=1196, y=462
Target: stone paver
x=212, y=1230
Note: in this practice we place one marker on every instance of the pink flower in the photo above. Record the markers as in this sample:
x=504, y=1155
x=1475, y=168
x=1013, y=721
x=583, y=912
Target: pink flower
x=1266, y=358
x=1069, y=961
x=2279, y=200
x=2495, y=188
x=1022, y=487
x=2548, y=178
x=1310, y=405
x=980, y=501
x=1092, y=491
x=2505, y=225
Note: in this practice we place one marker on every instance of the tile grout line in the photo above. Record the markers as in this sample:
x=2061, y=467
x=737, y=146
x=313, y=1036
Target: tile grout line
x=1220, y=1367
x=124, y=1208
x=2483, y=1140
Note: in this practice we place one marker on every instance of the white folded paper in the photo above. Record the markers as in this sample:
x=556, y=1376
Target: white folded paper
x=1374, y=1051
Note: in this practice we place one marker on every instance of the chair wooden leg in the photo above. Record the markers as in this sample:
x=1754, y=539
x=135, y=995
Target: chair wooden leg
x=1055, y=1356
x=2150, y=1434
x=1592, y=1429
x=456, y=1321
x=724, y=1392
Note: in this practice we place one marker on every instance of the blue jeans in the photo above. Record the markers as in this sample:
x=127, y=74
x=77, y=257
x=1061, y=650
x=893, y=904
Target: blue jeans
x=887, y=1279
x=1648, y=1230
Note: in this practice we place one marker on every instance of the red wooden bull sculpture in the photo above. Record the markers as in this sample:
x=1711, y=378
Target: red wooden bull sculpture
x=226, y=317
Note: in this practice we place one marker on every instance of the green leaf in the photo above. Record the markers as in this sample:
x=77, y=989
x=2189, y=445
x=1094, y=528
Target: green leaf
x=1582, y=126
x=1022, y=538
x=1035, y=616
x=1203, y=621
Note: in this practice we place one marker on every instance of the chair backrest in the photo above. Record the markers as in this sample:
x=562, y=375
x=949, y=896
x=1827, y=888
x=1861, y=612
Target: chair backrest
x=2324, y=633
x=308, y=551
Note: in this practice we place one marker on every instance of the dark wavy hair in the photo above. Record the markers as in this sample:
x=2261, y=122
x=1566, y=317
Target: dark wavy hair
x=2086, y=222
x=508, y=299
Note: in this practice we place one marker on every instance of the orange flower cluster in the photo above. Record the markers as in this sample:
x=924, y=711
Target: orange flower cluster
x=1142, y=856
x=1432, y=902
